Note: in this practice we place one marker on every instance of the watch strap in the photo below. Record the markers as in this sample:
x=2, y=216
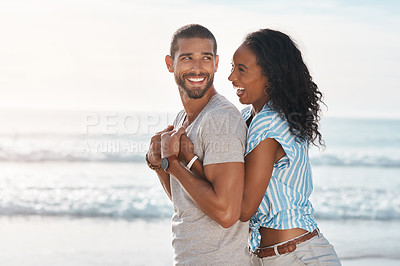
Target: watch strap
x=170, y=159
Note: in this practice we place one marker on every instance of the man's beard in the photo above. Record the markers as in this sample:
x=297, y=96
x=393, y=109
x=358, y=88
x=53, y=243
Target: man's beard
x=195, y=93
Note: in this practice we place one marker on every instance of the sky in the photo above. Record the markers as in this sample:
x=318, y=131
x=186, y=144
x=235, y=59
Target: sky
x=109, y=54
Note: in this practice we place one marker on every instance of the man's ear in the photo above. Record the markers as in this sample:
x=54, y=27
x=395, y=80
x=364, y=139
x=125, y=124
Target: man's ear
x=170, y=63
x=216, y=62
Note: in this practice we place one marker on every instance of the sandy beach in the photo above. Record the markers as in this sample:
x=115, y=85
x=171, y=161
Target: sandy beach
x=58, y=241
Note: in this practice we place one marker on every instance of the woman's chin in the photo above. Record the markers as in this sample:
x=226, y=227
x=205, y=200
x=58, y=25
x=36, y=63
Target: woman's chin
x=243, y=101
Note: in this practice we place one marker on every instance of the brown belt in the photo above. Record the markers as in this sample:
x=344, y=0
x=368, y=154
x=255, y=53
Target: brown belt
x=285, y=248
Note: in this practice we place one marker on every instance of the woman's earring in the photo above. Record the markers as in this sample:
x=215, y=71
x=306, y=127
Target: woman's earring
x=266, y=90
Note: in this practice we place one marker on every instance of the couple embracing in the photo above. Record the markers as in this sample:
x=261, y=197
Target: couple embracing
x=240, y=182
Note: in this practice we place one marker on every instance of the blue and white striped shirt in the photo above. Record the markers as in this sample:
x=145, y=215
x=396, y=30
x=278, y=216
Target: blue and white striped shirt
x=285, y=204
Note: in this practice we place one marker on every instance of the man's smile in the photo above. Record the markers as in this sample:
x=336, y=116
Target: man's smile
x=196, y=79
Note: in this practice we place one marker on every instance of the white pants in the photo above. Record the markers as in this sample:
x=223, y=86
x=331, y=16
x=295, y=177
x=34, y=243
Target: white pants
x=315, y=251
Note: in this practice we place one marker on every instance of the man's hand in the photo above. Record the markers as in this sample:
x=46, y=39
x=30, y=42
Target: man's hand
x=170, y=142
x=154, y=153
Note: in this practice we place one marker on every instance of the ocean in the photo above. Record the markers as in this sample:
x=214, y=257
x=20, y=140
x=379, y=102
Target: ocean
x=73, y=165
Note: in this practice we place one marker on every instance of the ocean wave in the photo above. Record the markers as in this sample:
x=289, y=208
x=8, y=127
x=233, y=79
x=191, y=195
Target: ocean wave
x=74, y=149
x=149, y=201
x=360, y=157
x=356, y=203
x=72, y=156
x=131, y=155
x=112, y=202
x=100, y=148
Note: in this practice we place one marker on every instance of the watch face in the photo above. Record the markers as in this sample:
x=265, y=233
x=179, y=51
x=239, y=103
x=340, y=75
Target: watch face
x=164, y=163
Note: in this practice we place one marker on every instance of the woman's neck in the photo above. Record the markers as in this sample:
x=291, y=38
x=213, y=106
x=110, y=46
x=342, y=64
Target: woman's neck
x=258, y=106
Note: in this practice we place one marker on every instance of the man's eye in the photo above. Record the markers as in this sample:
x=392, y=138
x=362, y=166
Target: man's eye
x=207, y=57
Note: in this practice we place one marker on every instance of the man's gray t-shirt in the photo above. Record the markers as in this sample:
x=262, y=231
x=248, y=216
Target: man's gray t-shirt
x=219, y=136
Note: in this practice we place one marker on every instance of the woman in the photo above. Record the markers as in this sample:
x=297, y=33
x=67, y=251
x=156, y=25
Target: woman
x=269, y=73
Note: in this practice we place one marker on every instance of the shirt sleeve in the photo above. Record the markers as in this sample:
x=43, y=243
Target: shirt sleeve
x=271, y=125
x=223, y=138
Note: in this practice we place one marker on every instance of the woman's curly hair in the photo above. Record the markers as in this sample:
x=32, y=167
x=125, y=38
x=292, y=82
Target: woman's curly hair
x=291, y=91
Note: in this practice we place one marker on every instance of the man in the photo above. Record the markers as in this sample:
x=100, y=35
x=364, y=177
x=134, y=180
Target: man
x=205, y=225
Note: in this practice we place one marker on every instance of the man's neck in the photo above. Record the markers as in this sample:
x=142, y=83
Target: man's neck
x=193, y=107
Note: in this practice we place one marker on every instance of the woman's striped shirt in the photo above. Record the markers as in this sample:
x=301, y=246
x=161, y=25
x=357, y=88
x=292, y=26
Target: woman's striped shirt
x=285, y=204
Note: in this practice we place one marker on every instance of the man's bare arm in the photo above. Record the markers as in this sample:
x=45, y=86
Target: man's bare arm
x=219, y=195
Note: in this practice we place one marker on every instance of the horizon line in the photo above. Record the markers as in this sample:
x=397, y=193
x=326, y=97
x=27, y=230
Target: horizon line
x=328, y=114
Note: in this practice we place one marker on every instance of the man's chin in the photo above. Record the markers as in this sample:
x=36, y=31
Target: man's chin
x=195, y=93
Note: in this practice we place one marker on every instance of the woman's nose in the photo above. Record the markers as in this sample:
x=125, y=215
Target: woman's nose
x=231, y=76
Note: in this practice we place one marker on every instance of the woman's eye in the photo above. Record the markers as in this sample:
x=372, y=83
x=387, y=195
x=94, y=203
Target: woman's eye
x=241, y=69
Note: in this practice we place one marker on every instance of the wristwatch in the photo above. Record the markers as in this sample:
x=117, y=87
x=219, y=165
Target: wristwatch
x=166, y=161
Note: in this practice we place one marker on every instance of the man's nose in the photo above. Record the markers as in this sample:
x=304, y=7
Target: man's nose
x=197, y=65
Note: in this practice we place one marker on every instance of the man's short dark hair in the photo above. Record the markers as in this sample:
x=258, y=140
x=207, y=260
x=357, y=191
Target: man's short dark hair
x=191, y=31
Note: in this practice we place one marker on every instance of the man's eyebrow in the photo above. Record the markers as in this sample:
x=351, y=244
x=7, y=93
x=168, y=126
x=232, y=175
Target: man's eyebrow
x=208, y=53
x=190, y=54
x=186, y=54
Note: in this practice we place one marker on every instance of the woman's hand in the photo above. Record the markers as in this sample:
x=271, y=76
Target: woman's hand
x=154, y=153
x=170, y=142
x=186, y=151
